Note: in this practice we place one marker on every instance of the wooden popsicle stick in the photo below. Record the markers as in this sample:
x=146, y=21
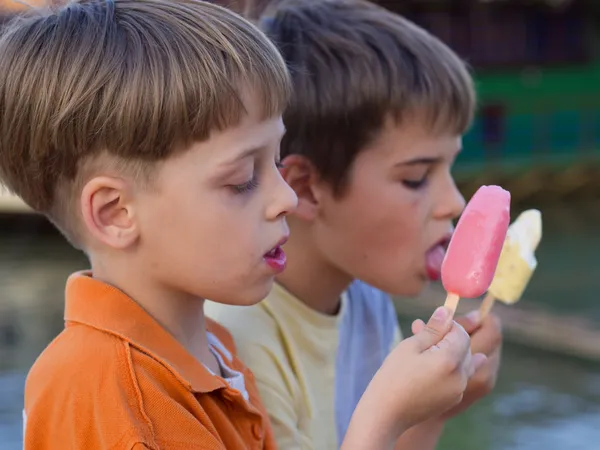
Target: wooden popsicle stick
x=452, y=302
x=486, y=305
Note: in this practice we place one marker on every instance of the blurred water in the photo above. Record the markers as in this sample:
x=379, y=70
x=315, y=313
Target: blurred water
x=542, y=401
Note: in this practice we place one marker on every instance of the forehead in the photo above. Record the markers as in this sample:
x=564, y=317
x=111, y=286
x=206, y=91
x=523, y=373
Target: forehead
x=254, y=131
x=249, y=138
x=412, y=139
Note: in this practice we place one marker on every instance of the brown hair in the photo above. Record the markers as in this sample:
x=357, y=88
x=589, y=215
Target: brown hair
x=136, y=80
x=354, y=65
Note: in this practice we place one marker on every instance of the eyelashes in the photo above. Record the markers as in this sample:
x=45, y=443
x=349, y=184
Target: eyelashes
x=244, y=188
x=415, y=184
x=253, y=183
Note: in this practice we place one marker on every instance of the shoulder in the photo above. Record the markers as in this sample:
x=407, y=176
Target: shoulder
x=78, y=356
x=371, y=313
x=365, y=296
x=84, y=375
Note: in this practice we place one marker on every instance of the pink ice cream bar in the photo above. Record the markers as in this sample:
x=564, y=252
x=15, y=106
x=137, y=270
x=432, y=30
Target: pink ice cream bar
x=472, y=256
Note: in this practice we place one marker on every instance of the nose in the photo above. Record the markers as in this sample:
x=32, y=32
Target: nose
x=283, y=199
x=451, y=202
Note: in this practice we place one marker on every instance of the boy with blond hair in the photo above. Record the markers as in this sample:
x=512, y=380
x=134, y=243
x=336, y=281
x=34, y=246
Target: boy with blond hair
x=148, y=131
x=373, y=128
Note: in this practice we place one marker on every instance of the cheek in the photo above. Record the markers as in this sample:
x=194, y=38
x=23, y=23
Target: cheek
x=377, y=237
x=226, y=230
x=389, y=231
x=386, y=219
x=218, y=241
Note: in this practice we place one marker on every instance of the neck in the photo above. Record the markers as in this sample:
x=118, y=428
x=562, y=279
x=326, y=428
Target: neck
x=180, y=314
x=309, y=276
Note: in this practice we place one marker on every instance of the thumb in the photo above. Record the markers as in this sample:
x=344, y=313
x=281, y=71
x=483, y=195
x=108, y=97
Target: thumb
x=438, y=326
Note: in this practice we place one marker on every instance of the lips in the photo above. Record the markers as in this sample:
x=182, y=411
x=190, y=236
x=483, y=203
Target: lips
x=275, y=258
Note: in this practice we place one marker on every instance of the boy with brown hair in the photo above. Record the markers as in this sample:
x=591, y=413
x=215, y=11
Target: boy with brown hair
x=373, y=128
x=148, y=131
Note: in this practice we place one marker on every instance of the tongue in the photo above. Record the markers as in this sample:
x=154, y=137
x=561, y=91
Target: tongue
x=433, y=261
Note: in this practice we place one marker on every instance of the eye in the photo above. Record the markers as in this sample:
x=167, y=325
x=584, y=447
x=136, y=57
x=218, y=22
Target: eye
x=415, y=184
x=244, y=188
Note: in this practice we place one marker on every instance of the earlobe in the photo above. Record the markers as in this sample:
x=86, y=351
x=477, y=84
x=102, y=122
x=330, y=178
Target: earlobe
x=108, y=212
x=300, y=174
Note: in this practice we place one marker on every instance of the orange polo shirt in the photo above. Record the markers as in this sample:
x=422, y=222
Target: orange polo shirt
x=115, y=379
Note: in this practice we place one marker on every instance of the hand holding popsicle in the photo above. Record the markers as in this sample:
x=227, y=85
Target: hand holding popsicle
x=517, y=261
x=422, y=378
x=473, y=252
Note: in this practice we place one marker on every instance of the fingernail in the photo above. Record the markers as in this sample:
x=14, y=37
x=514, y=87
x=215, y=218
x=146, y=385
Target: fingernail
x=441, y=314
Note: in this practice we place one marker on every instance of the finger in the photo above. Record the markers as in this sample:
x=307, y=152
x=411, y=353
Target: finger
x=417, y=326
x=477, y=362
x=487, y=338
x=457, y=343
x=436, y=329
x=466, y=365
x=493, y=363
x=470, y=322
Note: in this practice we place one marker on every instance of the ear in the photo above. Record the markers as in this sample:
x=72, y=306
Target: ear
x=302, y=175
x=108, y=212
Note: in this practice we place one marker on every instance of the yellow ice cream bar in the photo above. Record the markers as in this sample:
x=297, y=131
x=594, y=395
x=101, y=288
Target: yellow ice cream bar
x=517, y=260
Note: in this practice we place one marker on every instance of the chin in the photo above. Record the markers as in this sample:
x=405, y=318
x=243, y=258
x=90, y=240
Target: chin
x=408, y=288
x=251, y=295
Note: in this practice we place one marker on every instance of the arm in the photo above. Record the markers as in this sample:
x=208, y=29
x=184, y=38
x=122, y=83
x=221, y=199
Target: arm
x=424, y=436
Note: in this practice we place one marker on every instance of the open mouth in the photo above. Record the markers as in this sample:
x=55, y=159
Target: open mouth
x=275, y=253
x=275, y=258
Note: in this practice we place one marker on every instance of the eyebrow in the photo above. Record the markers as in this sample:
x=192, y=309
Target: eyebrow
x=423, y=161
x=251, y=151
x=245, y=154
x=232, y=164
x=419, y=161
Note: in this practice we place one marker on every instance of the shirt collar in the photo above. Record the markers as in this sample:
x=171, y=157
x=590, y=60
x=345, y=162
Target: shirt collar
x=101, y=306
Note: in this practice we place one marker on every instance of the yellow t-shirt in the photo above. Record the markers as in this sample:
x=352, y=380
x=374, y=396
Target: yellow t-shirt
x=311, y=369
